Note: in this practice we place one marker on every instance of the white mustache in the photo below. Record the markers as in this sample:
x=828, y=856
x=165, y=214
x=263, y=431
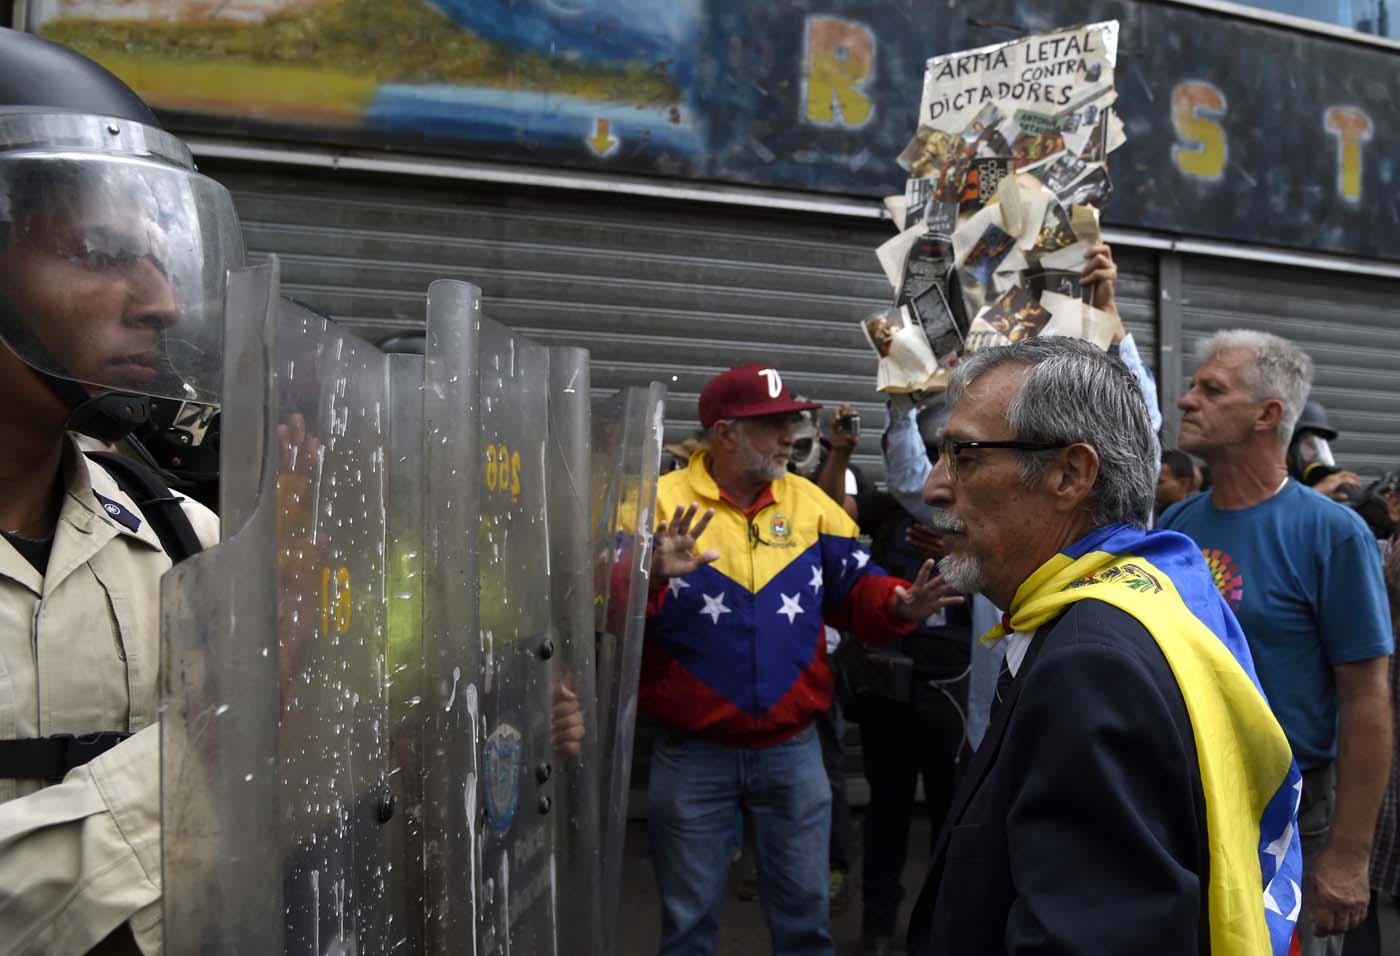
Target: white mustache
x=945, y=522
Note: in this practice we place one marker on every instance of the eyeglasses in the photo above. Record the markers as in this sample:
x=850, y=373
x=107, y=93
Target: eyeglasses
x=949, y=449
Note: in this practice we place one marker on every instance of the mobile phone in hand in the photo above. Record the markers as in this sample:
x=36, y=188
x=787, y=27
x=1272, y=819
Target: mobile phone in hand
x=849, y=425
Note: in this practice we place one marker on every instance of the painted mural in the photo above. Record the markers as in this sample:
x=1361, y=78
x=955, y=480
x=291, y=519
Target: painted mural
x=536, y=73
x=1235, y=130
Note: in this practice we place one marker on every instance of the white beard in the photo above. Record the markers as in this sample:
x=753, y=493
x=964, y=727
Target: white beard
x=962, y=574
x=762, y=467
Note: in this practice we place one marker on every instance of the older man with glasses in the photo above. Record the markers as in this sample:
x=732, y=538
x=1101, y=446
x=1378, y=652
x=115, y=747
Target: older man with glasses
x=1133, y=793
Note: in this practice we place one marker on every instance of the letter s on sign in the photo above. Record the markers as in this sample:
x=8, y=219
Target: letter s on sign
x=1196, y=105
x=775, y=384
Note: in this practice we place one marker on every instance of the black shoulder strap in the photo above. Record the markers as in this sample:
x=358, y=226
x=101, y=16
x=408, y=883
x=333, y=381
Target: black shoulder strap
x=157, y=503
x=50, y=758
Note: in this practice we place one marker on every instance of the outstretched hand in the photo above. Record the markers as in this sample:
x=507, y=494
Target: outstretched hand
x=927, y=594
x=673, y=547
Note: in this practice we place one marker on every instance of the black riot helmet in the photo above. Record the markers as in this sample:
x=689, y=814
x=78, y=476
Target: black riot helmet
x=114, y=251
x=1310, y=456
x=42, y=75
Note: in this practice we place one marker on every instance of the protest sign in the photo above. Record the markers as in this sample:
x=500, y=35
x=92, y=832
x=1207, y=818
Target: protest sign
x=1008, y=170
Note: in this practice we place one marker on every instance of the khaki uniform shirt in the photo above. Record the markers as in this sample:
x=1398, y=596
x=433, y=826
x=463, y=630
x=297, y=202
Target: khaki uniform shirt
x=80, y=653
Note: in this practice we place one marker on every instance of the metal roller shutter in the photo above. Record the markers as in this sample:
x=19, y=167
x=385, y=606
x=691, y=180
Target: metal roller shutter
x=656, y=290
x=1346, y=323
x=659, y=290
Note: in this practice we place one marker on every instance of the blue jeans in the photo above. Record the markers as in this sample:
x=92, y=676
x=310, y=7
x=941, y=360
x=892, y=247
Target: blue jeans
x=696, y=786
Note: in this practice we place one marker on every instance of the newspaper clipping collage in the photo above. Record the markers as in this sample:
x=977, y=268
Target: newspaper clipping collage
x=1008, y=172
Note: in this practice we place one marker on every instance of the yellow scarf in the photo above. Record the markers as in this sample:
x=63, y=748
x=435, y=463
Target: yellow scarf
x=1250, y=782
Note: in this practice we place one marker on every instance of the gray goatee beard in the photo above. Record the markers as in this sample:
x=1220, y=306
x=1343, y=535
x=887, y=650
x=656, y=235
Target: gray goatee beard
x=962, y=574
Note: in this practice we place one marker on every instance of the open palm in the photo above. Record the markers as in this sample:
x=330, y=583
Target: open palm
x=673, y=547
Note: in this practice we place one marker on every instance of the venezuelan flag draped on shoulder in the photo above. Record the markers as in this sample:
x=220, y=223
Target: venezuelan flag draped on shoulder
x=1252, y=785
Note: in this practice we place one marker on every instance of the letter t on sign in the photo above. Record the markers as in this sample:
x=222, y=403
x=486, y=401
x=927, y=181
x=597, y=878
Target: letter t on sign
x=1196, y=105
x=1352, y=128
x=838, y=62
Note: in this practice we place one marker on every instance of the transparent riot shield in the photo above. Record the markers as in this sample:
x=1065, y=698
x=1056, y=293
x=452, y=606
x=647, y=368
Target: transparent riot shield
x=507, y=486
x=627, y=435
x=368, y=741
x=219, y=807
x=334, y=735
x=404, y=665
x=569, y=481
x=453, y=643
x=289, y=665
x=520, y=674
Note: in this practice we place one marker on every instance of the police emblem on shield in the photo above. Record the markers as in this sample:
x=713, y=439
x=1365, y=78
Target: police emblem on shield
x=780, y=526
x=502, y=756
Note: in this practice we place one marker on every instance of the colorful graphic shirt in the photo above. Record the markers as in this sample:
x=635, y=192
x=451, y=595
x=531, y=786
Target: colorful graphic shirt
x=1303, y=575
x=735, y=650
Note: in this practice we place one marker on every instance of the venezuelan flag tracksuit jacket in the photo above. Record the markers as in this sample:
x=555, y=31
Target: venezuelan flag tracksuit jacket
x=735, y=650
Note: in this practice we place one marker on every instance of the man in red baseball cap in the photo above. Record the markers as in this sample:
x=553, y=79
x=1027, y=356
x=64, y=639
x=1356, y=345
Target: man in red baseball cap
x=749, y=391
x=735, y=664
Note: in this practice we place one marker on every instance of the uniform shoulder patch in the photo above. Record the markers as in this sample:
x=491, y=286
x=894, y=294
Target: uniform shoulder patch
x=118, y=513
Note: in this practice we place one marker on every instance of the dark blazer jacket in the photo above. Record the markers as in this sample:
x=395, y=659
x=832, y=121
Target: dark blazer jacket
x=1079, y=827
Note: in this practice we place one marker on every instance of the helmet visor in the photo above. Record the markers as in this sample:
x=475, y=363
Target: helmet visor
x=1311, y=448
x=806, y=448
x=112, y=271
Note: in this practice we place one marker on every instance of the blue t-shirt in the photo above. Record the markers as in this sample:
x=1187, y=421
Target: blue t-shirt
x=1303, y=575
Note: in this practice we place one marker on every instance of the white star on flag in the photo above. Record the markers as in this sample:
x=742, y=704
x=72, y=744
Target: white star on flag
x=1292, y=916
x=1279, y=848
x=714, y=606
x=676, y=586
x=1272, y=906
x=791, y=606
x=816, y=583
x=862, y=558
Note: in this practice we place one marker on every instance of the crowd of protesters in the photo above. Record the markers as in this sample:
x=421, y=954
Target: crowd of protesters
x=1149, y=695
x=1095, y=806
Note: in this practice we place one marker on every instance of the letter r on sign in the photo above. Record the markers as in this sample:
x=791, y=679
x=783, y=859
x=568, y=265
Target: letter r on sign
x=839, y=61
x=775, y=384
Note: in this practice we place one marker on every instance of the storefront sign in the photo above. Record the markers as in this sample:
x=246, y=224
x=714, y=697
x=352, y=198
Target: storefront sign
x=1237, y=130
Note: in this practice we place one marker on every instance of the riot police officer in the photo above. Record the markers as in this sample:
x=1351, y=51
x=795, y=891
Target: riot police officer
x=113, y=256
x=1310, y=457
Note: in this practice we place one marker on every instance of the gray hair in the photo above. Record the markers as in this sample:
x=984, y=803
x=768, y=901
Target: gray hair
x=1075, y=393
x=1279, y=369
